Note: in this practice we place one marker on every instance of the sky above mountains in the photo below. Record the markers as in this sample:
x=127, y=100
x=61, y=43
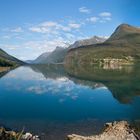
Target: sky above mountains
x=31, y=27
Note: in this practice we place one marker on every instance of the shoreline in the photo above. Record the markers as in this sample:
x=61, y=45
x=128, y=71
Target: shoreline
x=12, y=135
x=4, y=69
x=112, y=131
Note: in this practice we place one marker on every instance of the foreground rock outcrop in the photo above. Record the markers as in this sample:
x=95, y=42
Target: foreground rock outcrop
x=12, y=135
x=113, y=131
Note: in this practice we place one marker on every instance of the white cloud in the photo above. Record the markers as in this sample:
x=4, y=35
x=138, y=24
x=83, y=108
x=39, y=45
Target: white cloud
x=35, y=29
x=37, y=89
x=17, y=30
x=45, y=36
x=84, y=10
x=51, y=34
x=11, y=36
x=41, y=29
x=49, y=24
x=47, y=45
x=53, y=27
x=74, y=25
x=23, y=51
x=107, y=18
x=46, y=27
x=93, y=19
x=105, y=14
x=8, y=47
x=64, y=28
x=12, y=48
x=6, y=37
x=102, y=18
x=70, y=37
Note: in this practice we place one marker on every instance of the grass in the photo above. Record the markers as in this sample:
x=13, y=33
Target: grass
x=6, y=63
x=124, y=43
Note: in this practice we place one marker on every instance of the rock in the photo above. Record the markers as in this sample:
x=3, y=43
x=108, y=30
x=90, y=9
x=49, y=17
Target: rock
x=36, y=137
x=113, y=131
x=12, y=135
x=27, y=136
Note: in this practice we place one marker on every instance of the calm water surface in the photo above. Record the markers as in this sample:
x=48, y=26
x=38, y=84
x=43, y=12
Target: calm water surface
x=53, y=103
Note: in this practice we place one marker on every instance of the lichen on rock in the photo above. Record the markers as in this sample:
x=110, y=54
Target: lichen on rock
x=113, y=131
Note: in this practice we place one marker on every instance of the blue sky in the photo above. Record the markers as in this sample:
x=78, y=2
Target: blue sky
x=31, y=27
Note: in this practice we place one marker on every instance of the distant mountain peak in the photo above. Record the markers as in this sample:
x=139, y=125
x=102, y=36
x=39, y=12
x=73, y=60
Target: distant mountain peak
x=56, y=56
x=123, y=30
x=59, y=48
x=89, y=41
x=122, y=48
x=126, y=27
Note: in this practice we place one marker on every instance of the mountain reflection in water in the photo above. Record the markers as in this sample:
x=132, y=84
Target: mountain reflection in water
x=49, y=98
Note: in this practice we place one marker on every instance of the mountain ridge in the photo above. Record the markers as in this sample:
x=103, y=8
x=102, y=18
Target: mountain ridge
x=8, y=60
x=88, y=41
x=58, y=55
x=123, y=44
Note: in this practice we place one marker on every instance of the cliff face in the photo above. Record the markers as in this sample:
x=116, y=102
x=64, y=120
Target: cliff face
x=113, y=131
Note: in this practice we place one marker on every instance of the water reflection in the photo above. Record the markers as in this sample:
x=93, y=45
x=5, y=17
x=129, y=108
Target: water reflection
x=123, y=83
x=48, y=97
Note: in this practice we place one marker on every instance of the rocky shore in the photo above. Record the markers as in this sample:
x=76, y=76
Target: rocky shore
x=12, y=135
x=113, y=131
x=3, y=69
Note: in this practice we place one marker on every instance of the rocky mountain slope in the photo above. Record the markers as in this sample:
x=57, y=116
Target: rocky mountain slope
x=58, y=55
x=86, y=42
x=122, y=47
x=40, y=58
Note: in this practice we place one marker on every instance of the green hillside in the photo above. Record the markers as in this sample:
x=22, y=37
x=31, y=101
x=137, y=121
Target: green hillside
x=122, y=47
x=8, y=60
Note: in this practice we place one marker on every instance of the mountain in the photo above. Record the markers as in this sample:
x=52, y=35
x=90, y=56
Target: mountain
x=86, y=42
x=8, y=60
x=97, y=77
x=122, y=47
x=123, y=32
x=40, y=58
x=58, y=55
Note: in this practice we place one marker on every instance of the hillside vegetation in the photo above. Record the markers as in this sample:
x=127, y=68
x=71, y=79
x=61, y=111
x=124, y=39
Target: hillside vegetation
x=8, y=60
x=123, y=46
x=58, y=55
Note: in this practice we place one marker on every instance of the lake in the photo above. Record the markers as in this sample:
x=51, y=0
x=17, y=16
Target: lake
x=53, y=102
